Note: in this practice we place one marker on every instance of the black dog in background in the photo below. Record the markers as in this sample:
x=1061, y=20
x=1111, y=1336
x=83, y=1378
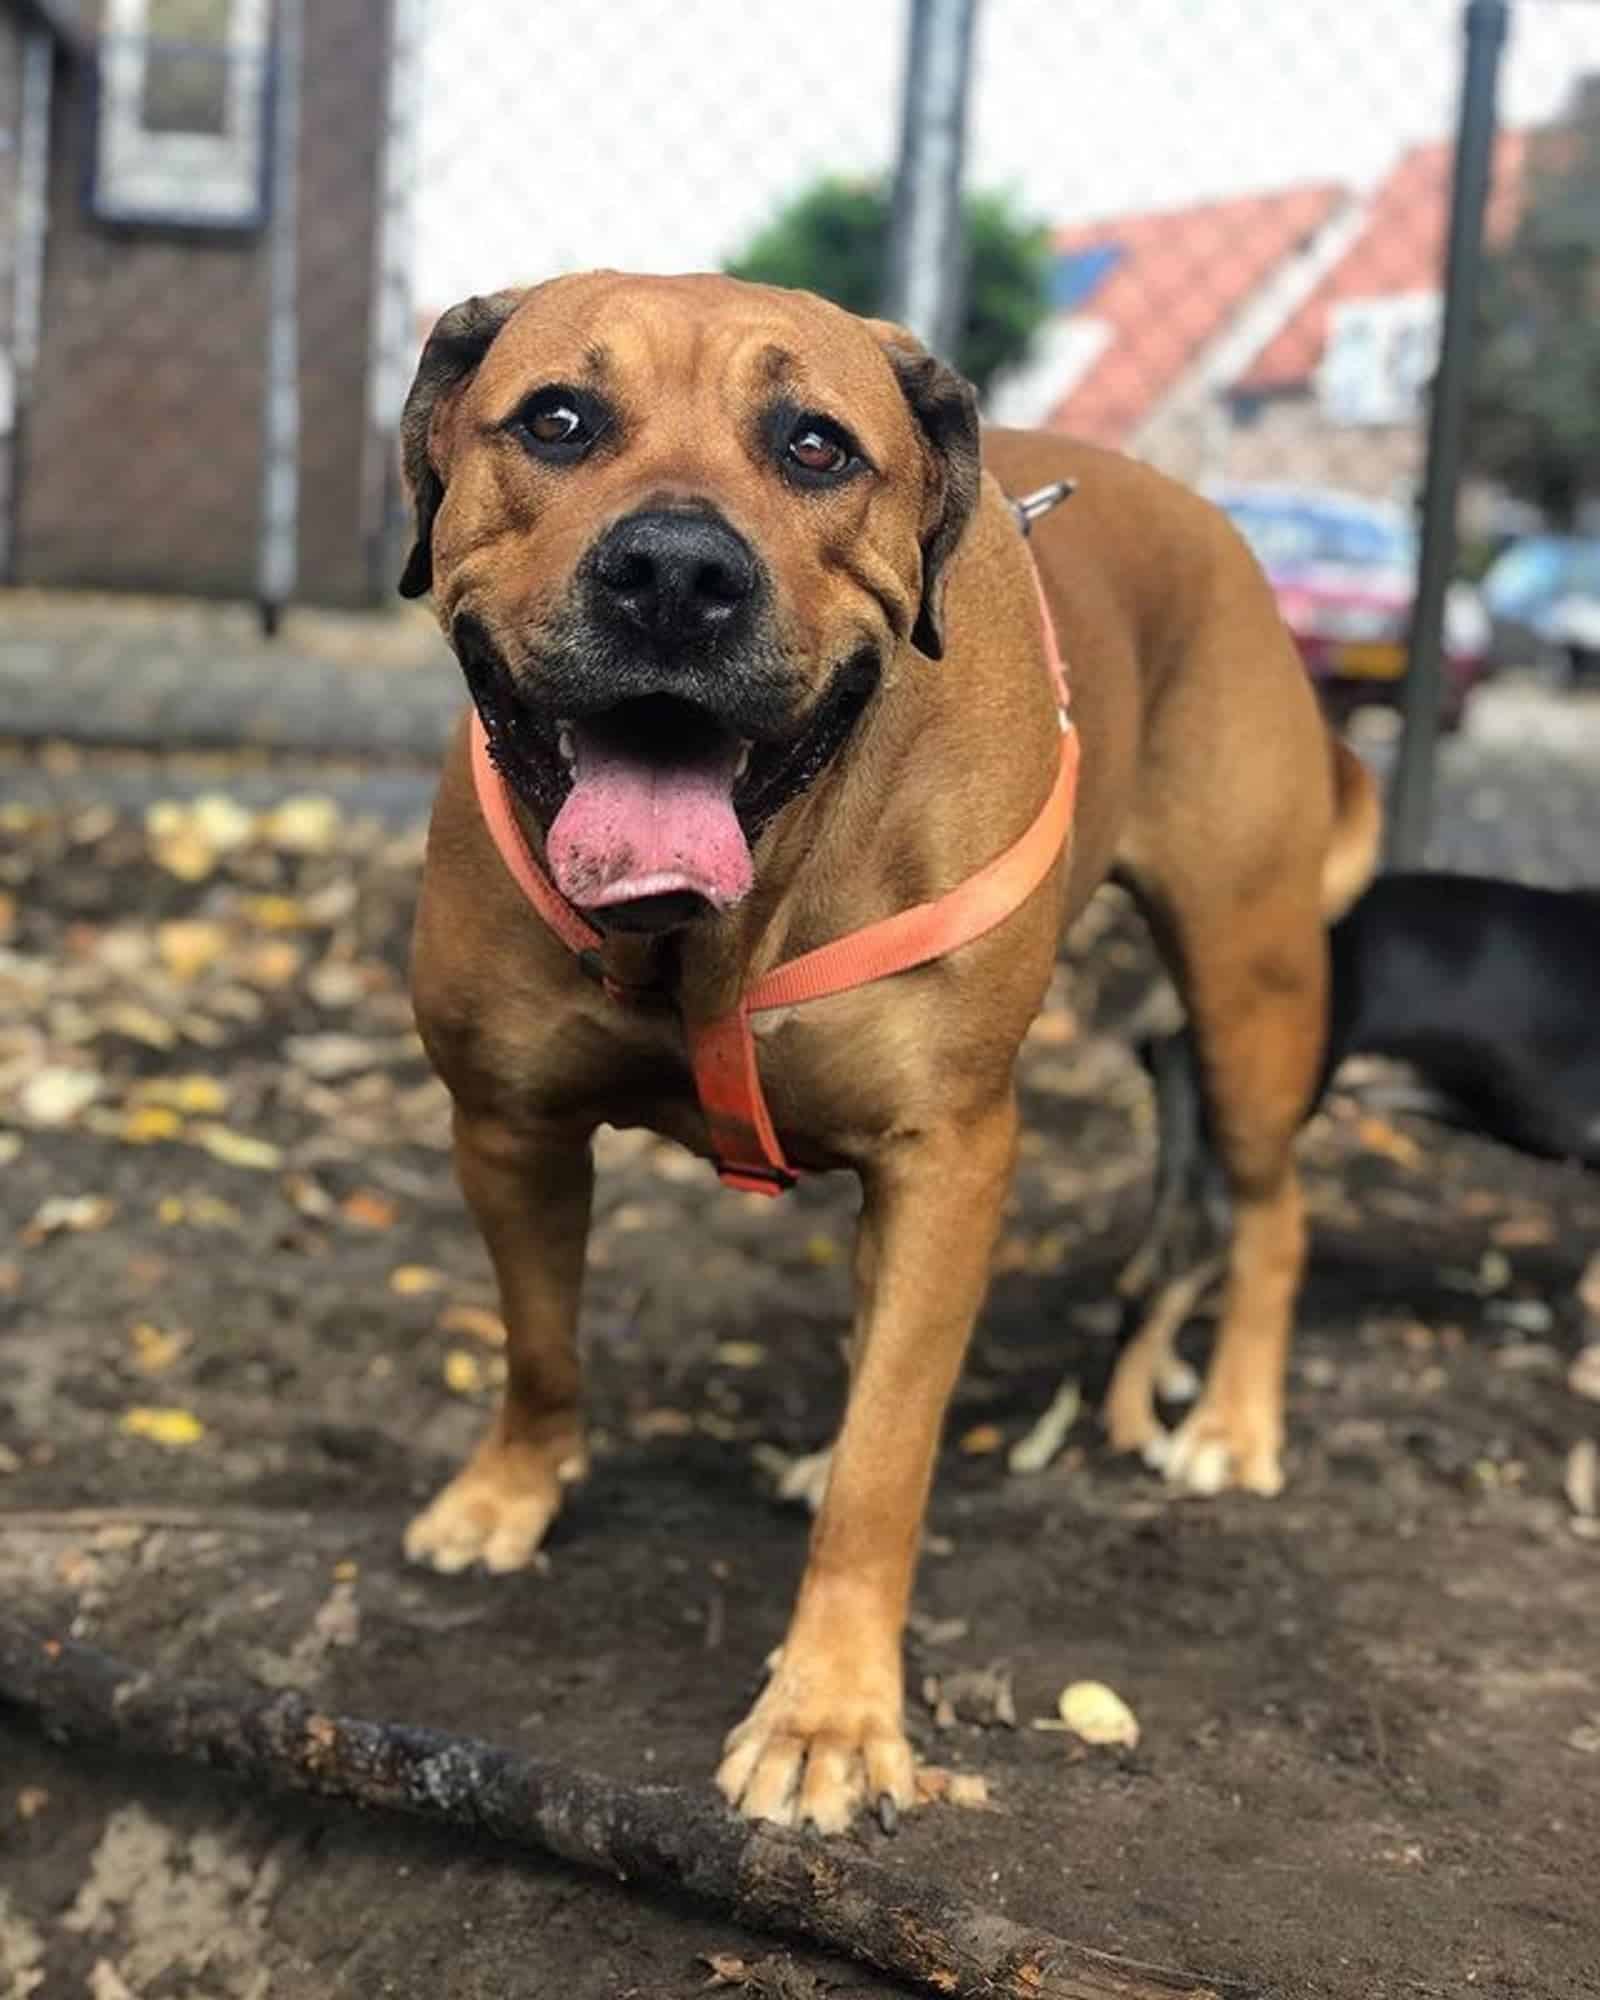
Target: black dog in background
x=1488, y=990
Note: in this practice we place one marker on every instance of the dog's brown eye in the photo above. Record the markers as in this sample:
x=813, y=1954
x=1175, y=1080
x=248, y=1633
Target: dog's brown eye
x=816, y=451
x=559, y=425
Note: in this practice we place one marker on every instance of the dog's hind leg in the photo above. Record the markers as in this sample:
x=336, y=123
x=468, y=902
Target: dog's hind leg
x=529, y=1192
x=1255, y=983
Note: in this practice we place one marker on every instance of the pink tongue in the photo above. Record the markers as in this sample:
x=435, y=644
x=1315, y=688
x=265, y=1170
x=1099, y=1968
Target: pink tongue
x=633, y=827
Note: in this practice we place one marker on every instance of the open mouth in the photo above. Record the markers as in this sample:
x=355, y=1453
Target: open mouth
x=649, y=822
x=652, y=803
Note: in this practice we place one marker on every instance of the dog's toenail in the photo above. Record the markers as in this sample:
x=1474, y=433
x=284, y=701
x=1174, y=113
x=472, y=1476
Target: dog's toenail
x=888, y=1814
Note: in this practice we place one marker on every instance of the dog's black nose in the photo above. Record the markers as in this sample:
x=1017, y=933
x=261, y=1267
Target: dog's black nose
x=673, y=575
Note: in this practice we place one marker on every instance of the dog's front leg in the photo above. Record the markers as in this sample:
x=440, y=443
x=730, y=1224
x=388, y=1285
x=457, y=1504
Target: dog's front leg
x=529, y=1190
x=828, y=1734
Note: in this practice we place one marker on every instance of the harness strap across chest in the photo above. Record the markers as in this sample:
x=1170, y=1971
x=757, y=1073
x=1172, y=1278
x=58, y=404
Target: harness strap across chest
x=722, y=1052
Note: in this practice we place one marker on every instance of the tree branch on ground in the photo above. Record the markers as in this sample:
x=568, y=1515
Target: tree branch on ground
x=660, y=1836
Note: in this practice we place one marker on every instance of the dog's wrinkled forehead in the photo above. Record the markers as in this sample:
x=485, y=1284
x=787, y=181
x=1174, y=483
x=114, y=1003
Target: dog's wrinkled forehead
x=656, y=345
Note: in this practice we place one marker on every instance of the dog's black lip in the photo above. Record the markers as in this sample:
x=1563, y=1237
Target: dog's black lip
x=524, y=732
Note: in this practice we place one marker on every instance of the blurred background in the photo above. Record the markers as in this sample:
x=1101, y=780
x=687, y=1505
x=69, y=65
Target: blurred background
x=1212, y=235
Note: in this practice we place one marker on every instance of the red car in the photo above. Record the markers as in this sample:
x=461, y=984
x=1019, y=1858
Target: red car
x=1344, y=571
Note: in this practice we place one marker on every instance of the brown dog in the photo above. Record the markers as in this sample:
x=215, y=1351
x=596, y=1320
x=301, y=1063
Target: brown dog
x=758, y=647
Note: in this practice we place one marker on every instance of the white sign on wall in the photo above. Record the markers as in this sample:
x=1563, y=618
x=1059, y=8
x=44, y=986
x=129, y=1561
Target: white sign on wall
x=1379, y=358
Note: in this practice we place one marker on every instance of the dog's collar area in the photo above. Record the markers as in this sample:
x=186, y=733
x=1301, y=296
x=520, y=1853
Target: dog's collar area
x=722, y=1052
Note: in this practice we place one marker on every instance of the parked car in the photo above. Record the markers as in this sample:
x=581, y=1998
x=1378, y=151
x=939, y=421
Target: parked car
x=1344, y=570
x=1543, y=599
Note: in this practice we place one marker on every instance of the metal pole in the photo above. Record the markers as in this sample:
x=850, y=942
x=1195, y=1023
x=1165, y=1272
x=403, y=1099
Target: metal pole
x=925, y=237
x=1411, y=792
x=277, y=552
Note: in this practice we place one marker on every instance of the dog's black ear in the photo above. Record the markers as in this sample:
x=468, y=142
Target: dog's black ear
x=945, y=406
x=459, y=341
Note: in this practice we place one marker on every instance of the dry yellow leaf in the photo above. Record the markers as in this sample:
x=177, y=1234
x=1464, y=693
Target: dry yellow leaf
x=188, y=946
x=821, y=1250
x=1098, y=1714
x=196, y=1096
x=346, y=1571
x=173, y=1427
x=982, y=1438
x=476, y=1322
x=741, y=1353
x=146, y=1123
x=139, y=1024
x=170, y=1210
x=154, y=1351
x=305, y=824
x=462, y=1373
x=274, y=963
x=411, y=1280
x=236, y=1149
x=276, y=913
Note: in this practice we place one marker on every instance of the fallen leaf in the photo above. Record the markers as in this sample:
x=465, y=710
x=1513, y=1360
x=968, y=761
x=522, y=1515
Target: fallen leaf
x=346, y=1571
x=726, y=1970
x=1377, y=1135
x=274, y=963
x=1098, y=1714
x=77, y=1213
x=662, y=1424
x=1494, y=1271
x=154, y=1351
x=139, y=1024
x=463, y=1374
x=236, y=1149
x=1581, y=1480
x=821, y=1250
x=54, y=1096
x=276, y=913
x=147, y=1123
x=981, y=1439
x=173, y=1427
x=308, y=1196
x=305, y=824
x=31, y=1801
x=1586, y=1738
x=196, y=1096
x=1524, y=1232
x=188, y=947
x=476, y=1322
x=936, y=1785
x=1035, y=1451
x=367, y=1209
x=741, y=1353
x=409, y=1281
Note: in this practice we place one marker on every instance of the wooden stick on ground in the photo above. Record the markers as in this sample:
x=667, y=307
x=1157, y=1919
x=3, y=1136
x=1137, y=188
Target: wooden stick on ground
x=660, y=1836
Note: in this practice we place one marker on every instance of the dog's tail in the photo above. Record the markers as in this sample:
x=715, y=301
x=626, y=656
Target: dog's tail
x=1352, y=857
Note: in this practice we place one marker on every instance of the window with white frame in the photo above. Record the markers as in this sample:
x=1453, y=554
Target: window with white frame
x=181, y=129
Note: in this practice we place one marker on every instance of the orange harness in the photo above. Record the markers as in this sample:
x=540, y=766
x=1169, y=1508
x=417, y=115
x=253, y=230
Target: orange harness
x=722, y=1052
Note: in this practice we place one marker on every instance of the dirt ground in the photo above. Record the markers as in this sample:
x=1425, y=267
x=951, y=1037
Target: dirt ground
x=247, y=1330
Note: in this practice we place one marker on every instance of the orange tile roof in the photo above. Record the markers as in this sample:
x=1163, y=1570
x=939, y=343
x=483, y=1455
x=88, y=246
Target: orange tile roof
x=1400, y=249
x=1180, y=278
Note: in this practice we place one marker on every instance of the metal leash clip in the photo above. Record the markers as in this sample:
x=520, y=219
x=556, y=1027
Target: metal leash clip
x=1034, y=506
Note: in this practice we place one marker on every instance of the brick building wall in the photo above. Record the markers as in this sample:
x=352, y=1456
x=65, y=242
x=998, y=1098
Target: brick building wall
x=141, y=460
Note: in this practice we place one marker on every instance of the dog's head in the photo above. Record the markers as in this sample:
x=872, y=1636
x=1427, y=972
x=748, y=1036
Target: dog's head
x=675, y=528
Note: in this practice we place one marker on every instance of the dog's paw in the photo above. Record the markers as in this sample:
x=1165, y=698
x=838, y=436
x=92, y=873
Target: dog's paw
x=1214, y=1450
x=799, y=1759
x=497, y=1509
